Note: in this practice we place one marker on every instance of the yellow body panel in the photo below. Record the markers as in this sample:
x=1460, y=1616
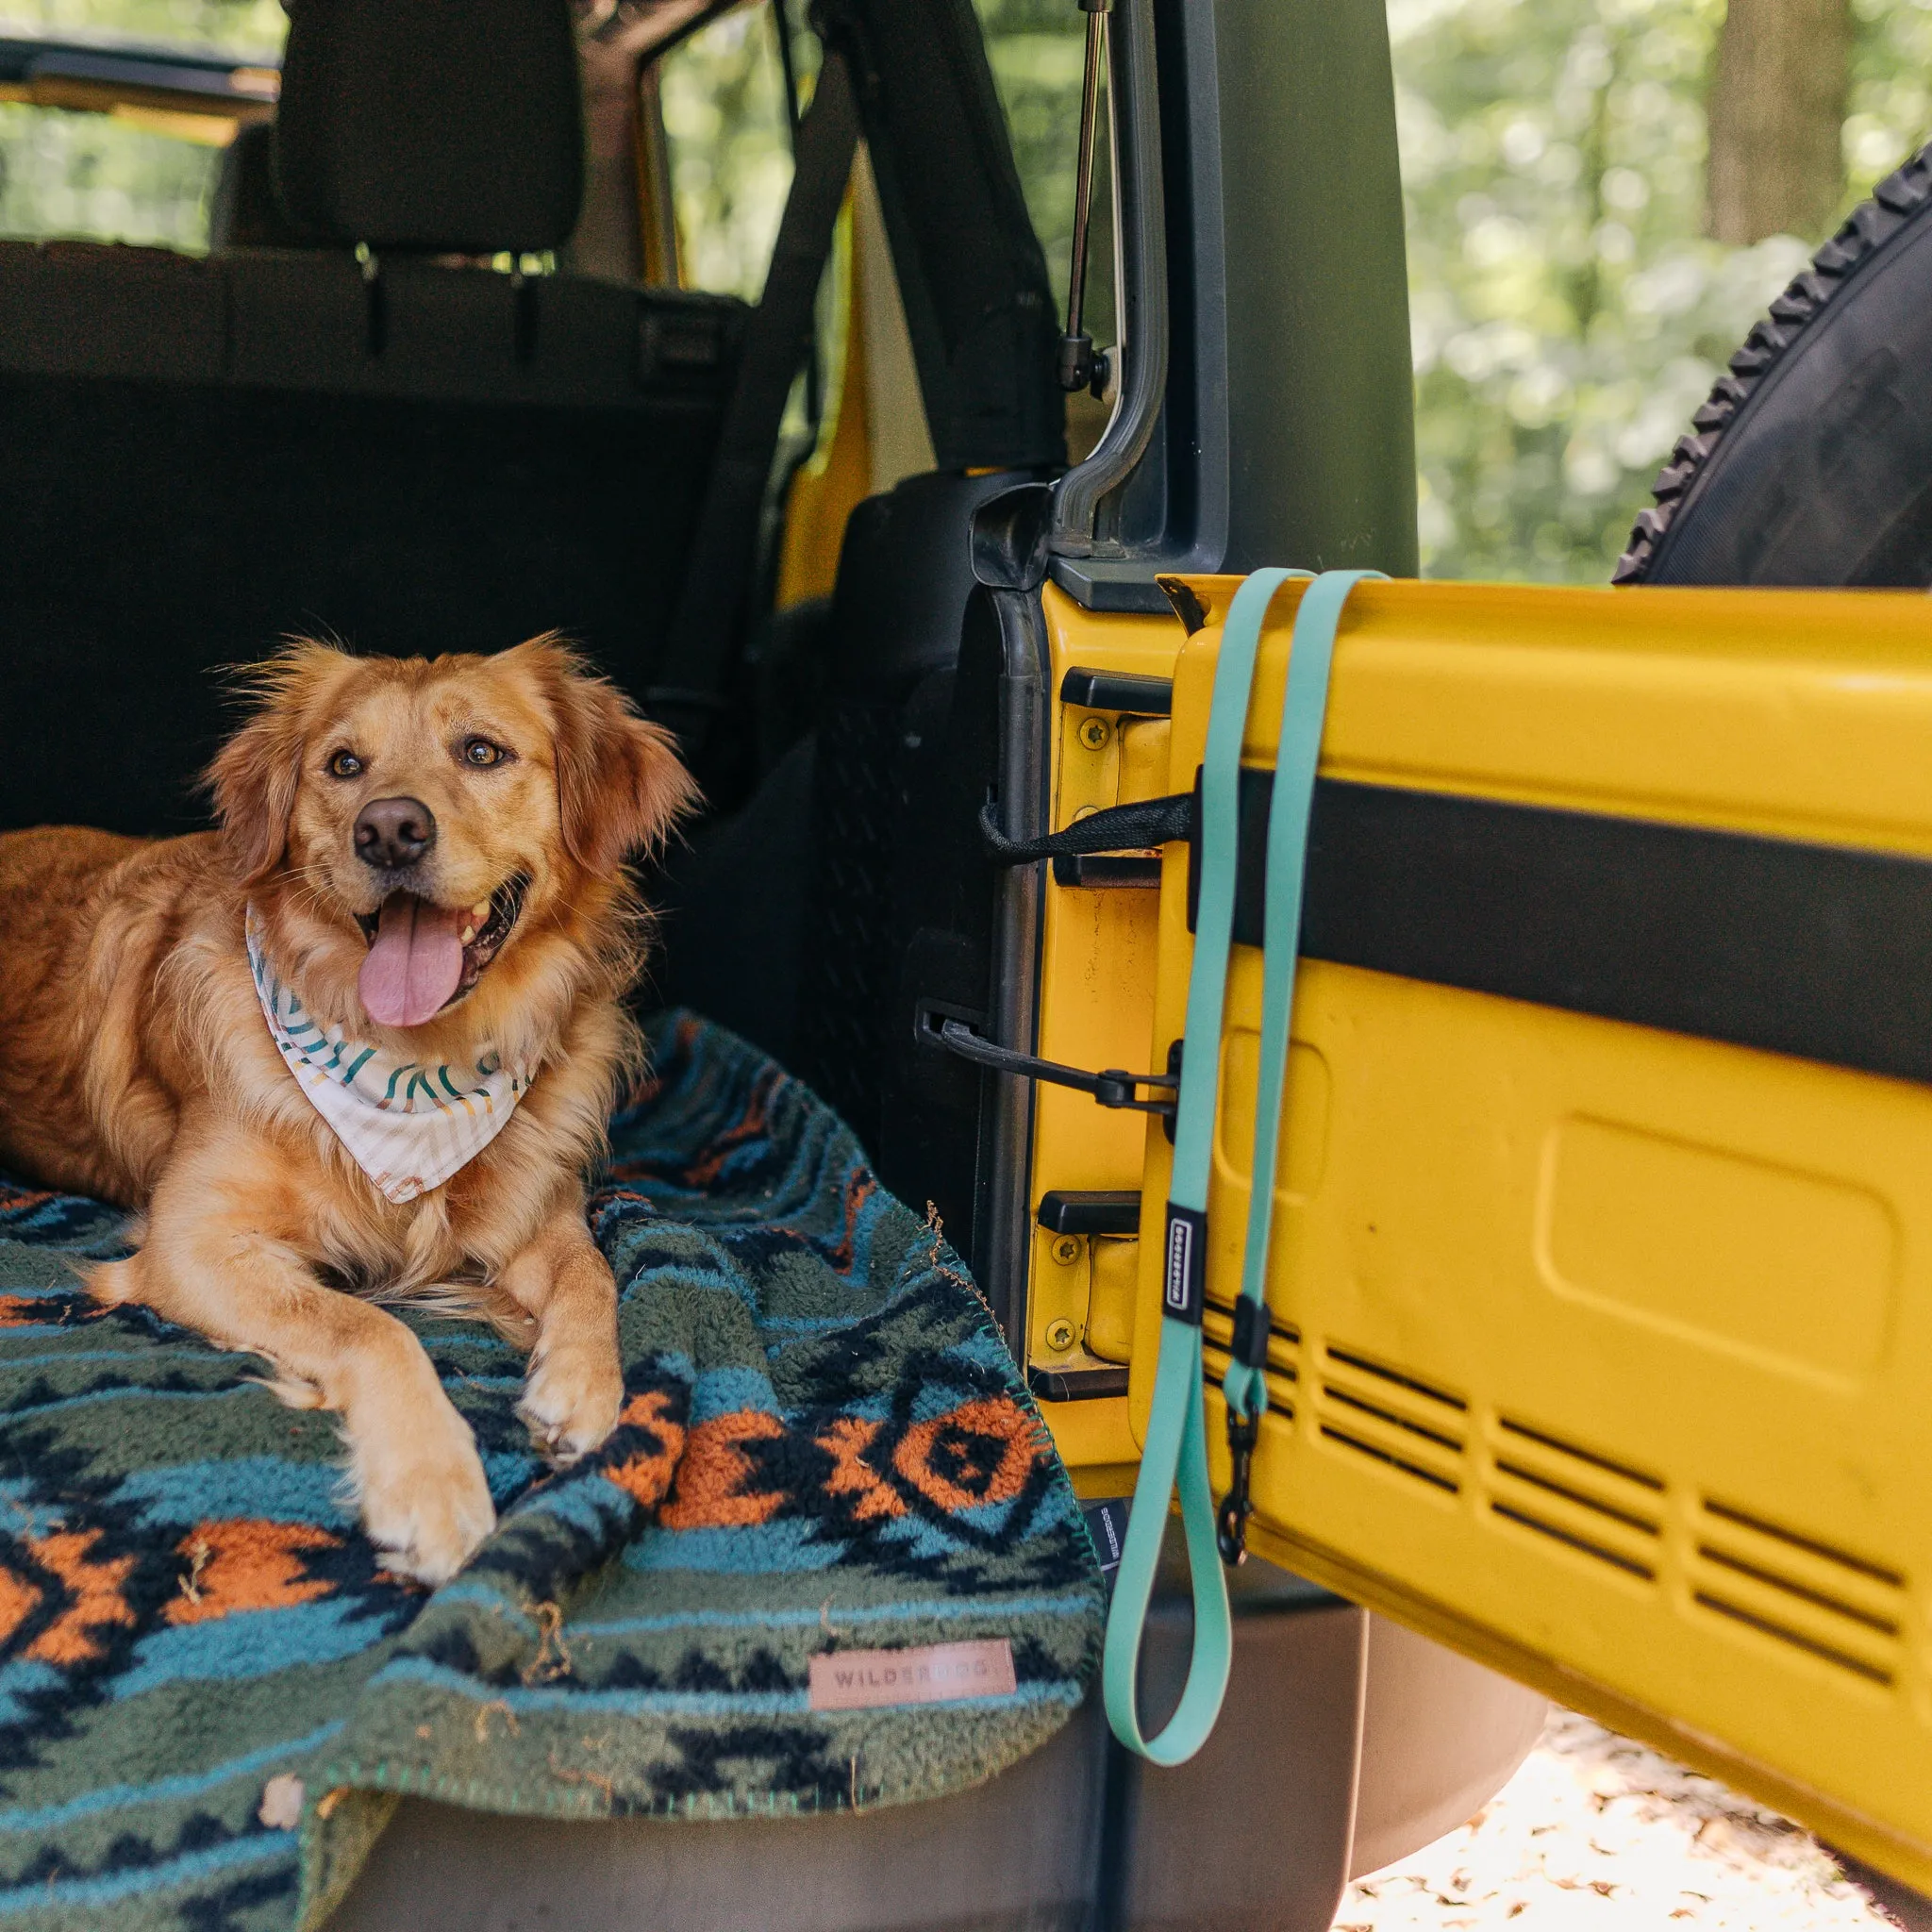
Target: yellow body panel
x=1097, y=974
x=1601, y=1352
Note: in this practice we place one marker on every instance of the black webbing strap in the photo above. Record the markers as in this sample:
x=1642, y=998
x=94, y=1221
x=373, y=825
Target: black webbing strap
x=693, y=674
x=1119, y=828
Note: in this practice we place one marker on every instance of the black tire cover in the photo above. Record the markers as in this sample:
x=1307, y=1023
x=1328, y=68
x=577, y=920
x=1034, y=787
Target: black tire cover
x=1811, y=462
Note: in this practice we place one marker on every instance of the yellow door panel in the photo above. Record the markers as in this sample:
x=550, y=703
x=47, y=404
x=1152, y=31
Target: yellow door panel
x=1601, y=1351
x=1806, y=714
x=1099, y=954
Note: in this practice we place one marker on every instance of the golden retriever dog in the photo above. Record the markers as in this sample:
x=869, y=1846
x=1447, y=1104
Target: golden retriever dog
x=419, y=874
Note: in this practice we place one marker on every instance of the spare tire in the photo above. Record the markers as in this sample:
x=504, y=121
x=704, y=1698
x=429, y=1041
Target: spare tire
x=1811, y=464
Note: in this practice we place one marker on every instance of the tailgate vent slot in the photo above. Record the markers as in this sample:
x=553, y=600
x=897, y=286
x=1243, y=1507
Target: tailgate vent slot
x=1391, y=1416
x=1588, y=1501
x=1283, y=1349
x=1799, y=1589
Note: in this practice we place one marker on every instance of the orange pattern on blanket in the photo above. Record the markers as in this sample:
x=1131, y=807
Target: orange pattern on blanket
x=710, y=1492
x=981, y=1451
x=33, y=1311
x=247, y=1563
x=846, y=1442
x=19, y=1599
x=860, y=1189
x=750, y=1126
x=647, y=1474
x=94, y=1598
x=90, y=1589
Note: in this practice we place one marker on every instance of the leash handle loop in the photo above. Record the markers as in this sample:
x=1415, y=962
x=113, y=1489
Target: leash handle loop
x=1176, y=1451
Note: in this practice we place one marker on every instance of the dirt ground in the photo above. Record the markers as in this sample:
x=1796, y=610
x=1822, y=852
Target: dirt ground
x=1599, y=1834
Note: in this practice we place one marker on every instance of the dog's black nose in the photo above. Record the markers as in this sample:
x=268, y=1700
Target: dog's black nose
x=393, y=832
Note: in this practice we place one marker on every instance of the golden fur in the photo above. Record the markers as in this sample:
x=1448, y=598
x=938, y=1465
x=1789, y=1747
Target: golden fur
x=135, y=1063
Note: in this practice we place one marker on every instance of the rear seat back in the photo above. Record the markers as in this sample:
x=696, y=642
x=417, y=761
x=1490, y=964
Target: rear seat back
x=406, y=452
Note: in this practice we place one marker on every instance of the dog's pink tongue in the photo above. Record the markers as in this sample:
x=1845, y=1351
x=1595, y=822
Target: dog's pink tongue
x=414, y=965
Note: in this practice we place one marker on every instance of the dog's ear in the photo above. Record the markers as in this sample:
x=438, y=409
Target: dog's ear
x=621, y=785
x=254, y=776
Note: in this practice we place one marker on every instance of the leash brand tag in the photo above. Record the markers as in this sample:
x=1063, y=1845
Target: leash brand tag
x=1184, y=1292
x=928, y=1673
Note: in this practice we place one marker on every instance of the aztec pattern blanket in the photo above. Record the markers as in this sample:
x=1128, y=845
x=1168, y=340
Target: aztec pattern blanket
x=212, y=1697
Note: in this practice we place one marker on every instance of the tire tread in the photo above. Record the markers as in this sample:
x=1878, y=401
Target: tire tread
x=1895, y=203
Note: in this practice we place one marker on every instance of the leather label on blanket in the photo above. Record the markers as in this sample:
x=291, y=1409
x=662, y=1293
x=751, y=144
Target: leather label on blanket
x=929, y=1674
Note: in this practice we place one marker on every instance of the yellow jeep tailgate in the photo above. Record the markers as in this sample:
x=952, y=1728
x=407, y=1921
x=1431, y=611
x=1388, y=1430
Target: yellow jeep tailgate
x=1601, y=1287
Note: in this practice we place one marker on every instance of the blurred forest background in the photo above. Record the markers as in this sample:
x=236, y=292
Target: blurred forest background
x=1602, y=196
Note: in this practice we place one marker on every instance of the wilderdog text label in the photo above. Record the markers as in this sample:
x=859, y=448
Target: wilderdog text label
x=930, y=1673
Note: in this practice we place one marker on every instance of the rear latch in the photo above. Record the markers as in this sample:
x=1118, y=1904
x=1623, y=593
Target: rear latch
x=946, y=1032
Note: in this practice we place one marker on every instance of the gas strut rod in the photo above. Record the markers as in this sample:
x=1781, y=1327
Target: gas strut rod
x=1081, y=366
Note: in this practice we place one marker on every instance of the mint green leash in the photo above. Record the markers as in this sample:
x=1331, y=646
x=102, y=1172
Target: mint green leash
x=1304, y=706
x=1175, y=1452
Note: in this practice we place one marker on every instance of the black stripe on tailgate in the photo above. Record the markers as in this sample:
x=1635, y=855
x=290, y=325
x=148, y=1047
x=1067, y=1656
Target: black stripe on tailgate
x=1820, y=951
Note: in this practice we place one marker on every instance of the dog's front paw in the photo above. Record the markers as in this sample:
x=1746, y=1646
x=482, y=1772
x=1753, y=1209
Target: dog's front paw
x=573, y=1395
x=419, y=1483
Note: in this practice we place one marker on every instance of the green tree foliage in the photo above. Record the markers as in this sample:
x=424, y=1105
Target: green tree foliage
x=1035, y=48
x=113, y=179
x=724, y=104
x=1568, y=314
x=85, y=174
x=230, y=27
x=1891, y=89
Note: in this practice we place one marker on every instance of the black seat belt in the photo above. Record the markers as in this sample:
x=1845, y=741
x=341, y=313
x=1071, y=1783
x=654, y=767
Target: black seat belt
x=693, y=674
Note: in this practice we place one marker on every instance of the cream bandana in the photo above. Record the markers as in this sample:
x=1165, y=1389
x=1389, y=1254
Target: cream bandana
x=408, y=1125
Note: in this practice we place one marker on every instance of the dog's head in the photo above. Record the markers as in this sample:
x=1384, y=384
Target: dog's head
x=411, y=826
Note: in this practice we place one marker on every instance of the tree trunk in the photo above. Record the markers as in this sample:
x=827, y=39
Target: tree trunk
x=1777, y=102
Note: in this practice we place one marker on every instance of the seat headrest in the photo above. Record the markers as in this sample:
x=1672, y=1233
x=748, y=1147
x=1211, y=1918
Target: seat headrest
x=447, y=125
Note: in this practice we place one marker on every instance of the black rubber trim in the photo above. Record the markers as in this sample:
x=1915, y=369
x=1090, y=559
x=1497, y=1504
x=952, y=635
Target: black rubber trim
x=1823, y=951
x=1086, y=1210
x=1107, y=873
x=1117, y=690
x=1076, y=1385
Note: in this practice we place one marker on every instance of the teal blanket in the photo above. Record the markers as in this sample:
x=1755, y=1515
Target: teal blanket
x=212, y=1695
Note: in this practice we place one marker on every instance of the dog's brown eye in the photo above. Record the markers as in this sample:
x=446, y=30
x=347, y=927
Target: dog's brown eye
x=479, y=751
x=345, y=764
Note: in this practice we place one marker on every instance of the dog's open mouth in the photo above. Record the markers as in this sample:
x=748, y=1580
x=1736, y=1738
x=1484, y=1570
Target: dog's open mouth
x=423, y=957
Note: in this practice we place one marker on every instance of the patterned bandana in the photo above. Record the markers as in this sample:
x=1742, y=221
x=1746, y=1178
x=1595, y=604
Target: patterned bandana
x=408, y=1125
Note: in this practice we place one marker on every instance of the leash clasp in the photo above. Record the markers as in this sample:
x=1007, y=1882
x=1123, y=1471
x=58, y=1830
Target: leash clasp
x=1231, y=1524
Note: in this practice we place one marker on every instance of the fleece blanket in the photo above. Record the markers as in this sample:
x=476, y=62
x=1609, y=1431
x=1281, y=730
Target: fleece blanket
x=827, y=1468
